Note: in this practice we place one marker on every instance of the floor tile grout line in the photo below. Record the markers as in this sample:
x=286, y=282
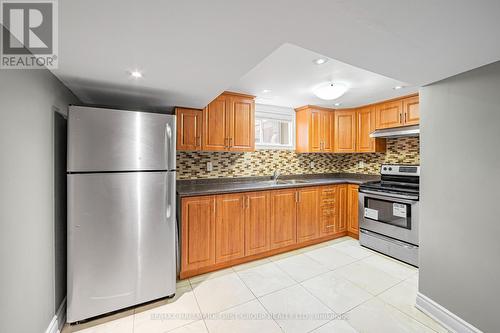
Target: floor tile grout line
x=258, y=300
x=199, y=308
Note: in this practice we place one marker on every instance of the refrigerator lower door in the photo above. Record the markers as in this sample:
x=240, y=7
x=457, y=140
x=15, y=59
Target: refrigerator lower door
x=121, y=242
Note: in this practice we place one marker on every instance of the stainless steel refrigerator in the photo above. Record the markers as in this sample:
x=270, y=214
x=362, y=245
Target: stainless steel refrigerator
x=121, y=209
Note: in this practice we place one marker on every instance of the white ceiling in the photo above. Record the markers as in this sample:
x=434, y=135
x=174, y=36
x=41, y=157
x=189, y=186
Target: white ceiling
x=190, y=50
x=291, y=75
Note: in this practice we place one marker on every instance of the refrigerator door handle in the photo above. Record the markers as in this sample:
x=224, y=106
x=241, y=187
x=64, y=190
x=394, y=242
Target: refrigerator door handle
x=170, y=184
x=168, y=139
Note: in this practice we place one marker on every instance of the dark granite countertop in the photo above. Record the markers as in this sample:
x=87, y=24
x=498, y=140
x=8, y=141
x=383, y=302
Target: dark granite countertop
x=187, y=188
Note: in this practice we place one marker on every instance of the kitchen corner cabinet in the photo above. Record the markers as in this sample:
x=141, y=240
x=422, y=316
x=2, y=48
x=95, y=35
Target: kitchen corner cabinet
x=189, y=127
x=229, y=123
x=345, y=131
x=365, y=126
x=314, y=129
x=352, y=210
x=397, y=113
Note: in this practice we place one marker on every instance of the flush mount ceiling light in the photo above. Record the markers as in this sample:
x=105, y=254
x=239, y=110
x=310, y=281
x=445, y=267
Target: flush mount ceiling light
x=320, y=61
x=136, y=74
x=330, y=91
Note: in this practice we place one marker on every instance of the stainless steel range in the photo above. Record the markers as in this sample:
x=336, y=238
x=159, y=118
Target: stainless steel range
x=388, y=212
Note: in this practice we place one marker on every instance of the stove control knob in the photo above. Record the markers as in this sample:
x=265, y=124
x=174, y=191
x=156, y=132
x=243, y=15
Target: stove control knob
x=390, y=169
x=385, y=168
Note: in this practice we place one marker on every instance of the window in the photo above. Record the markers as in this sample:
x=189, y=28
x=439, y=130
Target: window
x=274, y=129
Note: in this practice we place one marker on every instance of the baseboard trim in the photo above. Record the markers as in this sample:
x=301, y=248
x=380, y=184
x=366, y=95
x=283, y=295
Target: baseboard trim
x=449, y=320
x=59, y=319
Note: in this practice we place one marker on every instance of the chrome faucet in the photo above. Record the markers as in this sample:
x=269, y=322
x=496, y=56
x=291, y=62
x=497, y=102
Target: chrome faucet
x=276, y=174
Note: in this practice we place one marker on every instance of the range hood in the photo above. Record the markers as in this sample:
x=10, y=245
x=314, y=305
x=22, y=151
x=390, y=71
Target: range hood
x=397, y=132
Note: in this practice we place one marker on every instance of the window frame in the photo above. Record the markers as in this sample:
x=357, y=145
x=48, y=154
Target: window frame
x=277, y=113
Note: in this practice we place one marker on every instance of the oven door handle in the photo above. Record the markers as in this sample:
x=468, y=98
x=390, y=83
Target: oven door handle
x=402, y=198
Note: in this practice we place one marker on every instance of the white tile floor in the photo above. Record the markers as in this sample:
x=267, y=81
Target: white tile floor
x=336, y=286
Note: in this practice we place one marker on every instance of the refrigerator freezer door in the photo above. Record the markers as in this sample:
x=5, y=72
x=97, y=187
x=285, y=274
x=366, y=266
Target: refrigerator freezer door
x=114, y=140
x=120, y=241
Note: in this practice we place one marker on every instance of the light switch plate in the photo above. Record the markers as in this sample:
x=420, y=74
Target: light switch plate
x=311, y=165
x=361, y=164
x=209, y=166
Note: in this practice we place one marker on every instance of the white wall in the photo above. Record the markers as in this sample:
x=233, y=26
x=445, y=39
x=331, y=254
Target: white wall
x=460, y=195
x=32, y=285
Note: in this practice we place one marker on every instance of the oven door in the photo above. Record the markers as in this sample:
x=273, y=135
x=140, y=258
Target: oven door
x=389, y=215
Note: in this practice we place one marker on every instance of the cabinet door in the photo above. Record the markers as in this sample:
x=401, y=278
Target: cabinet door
x=389, y=114
x=215, y=124
x=189, y=126
x=366, y=125
x=352, y=209
x=345, y=131
x=197, y=232
x=411, y=111
x=241, y=124
x=283, y=218
x=342, y=207
x=315, y=139
x=307, y=214
x=327, y=130
x=327, y=212
x=257, y=222
x=229, y=227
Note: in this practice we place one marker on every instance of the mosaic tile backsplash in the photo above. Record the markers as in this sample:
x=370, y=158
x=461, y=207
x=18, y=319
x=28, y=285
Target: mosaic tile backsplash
x=192, y=165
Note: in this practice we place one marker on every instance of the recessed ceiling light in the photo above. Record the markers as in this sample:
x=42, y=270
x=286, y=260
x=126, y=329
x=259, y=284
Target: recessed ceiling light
x=330, y=91
x=337, y=104
x=320, y=61
x=136, y=74
x=397, y=87
x=265, y=91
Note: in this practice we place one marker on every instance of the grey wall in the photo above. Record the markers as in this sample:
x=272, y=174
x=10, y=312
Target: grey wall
x=32, y=220
x=460, y=195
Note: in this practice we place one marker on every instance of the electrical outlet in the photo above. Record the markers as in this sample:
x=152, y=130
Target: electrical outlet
x=210, y=167
x=361, y=164
x=311, y=165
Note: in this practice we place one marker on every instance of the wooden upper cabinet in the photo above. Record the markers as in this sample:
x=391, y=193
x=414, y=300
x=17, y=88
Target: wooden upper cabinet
x=189, y=127
x=327, y=210
x=411, y=111
x=241, y=124
x=229, y=123
x=389, y=114
x=365, y=126
x=345, y=131
x=229, y=227
x=307, y=214
x=198, y=233
x=352, y=209
x=283, y=218
x=314, y=129
x=216, y=124
x=327, y=130
x=257, y=222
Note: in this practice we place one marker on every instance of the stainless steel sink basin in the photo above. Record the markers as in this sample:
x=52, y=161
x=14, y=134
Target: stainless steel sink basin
x=291, y=181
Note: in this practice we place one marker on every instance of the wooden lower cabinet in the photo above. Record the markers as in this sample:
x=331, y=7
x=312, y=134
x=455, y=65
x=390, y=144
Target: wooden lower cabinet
x=283, y=218
x=198, y=233
x=257, y=222
x=328, y=219
x=229, y=227
x=307, y=214
x=352, y=210
x=218, y=231
x=342, y=208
